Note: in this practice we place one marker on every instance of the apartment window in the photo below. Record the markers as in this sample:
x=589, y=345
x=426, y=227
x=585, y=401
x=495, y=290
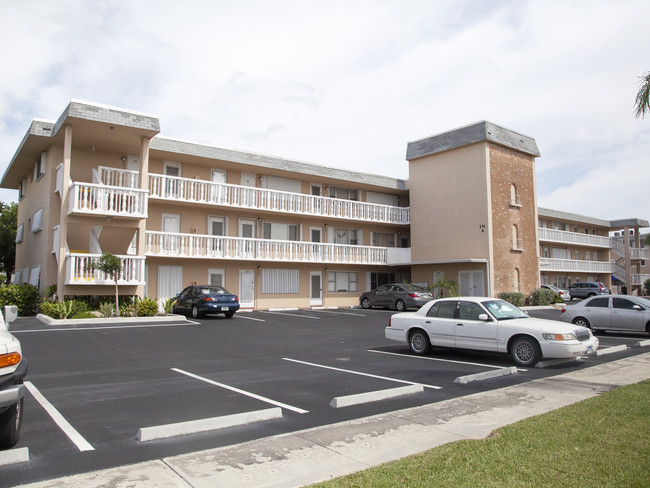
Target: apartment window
x=172, y=168
x=516, y=242
x=575, y=229
x=378, y=279
x=380, y=239
x=22, y=188
x=20, y=233
x=338, y=281
x=217, y=226
x=595, y=256
x=39, y=168
x=576, y=255
x=382, y=198
x=559, y=225
x=279, y=231
x=280, y=281
x=344, y=193
x=346, y=236
x=216, y=277
x=316, y=190
x=280, y=184
x=515, y=198
x=37, y=221
x=587, y=256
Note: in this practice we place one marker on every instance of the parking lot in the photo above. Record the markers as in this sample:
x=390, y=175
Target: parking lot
x=104, y=395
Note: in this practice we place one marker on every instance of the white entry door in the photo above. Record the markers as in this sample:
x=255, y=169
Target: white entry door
x=171, y=226
x=471, y=283
x=246, y=288
x=218, y=192
x=170, y=282
x=316, y=288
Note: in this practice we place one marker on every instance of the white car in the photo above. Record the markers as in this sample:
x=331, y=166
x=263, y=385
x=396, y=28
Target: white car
x=489, y=324
x=13, y=368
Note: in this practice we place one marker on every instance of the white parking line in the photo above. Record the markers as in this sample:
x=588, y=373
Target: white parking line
x=340, y=313
x=291, y=314
x=443, y=360
x=237, y=390
x=250, y=318
x=63, y=424
x=363, y=374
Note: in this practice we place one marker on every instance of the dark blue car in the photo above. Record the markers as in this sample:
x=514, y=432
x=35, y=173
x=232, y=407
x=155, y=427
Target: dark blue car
x=201, y=299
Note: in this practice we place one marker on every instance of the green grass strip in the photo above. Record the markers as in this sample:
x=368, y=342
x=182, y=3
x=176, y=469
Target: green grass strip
x=600, y=442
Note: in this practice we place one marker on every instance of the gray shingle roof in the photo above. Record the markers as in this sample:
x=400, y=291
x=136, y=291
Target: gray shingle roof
x=471, y=134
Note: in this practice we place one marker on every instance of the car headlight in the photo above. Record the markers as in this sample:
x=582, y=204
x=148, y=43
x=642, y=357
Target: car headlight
x=559, y=337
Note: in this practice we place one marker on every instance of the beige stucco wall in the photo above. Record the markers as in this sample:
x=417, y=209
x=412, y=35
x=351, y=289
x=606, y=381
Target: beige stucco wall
x=449, y=205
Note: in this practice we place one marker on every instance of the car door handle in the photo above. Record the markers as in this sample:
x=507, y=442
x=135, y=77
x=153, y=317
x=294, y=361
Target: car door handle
x=460, y=325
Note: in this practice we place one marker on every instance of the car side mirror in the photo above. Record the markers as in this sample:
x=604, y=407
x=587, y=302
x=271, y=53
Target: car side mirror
x=637, y=307
x=483, y=316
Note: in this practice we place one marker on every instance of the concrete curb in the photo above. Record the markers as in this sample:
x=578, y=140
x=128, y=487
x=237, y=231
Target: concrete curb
x=611, y=350
x=14, y=456
x=373, y=396
x=112, y=320
x=203, y=425
x=470, y=378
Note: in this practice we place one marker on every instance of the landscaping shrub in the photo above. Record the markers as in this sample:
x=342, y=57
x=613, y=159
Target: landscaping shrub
x=24, y=296
x=66, y=309
x=516, y=298
x=146, y=307
x=646, y=285
x=107, y=309
x=544, y=296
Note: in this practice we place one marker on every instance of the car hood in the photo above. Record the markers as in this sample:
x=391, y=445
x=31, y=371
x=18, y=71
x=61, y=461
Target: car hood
x=539, y=325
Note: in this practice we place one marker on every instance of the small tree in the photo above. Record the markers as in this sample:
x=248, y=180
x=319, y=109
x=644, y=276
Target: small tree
x=443, y=284
x=8, y=224
x=642, y=102
x=111, y=265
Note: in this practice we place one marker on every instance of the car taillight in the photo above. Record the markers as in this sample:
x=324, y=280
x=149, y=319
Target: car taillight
x=9, y=359
x=413, y=295
x=389, y=321
x=209, y=299
x=563, y=310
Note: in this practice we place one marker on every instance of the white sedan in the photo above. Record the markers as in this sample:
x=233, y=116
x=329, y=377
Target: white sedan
x=489, y=324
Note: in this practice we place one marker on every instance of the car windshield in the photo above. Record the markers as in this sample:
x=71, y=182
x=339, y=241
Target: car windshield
x=503, y=310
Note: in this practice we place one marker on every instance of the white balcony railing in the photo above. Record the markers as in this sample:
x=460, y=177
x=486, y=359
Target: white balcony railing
x=78, y=270
x=572, y=265
x=241, y=248
x=635, y=252
x=124, y=178
x=575, y=238
x=89, y=198
x=210, y=193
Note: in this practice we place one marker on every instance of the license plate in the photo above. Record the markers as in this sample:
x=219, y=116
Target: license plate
x=225, y=308
x=590, y=349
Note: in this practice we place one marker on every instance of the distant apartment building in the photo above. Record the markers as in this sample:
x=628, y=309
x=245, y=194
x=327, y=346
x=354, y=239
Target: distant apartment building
x=283, y=233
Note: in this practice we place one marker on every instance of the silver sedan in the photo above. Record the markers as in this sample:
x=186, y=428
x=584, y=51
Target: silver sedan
x=610, y=312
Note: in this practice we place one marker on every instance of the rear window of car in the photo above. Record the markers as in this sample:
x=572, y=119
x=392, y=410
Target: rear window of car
x=598, y=302
x=444, y=310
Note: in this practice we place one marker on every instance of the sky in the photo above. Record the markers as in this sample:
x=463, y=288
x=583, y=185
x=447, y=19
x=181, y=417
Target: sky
x=348, y=84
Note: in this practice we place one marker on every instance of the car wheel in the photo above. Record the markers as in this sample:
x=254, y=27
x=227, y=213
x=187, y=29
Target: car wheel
x=10, y=423
x=400, y=306
x=365, y=303
x=647, y=328
x=229, y=315
x=582, y=322
x=419, y=342
x=195, y=312
x=525, y=351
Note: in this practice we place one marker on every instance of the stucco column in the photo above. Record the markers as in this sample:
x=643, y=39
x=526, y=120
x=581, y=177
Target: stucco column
x=628, y=260
x=63, y=217
x=144, y=185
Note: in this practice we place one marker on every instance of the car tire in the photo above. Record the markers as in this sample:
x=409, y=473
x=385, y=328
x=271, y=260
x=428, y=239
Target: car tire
x=195, y=312
x=582, y=322
x=419, y=342
x=365, y=303
x=229, y=315
x=525, y=351
x=400, y=306
x=10, y=422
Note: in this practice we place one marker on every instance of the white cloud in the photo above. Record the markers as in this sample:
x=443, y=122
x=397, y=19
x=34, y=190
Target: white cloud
x=348, y=84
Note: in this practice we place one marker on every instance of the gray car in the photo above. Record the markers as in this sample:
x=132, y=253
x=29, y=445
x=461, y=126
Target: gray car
x=588, y=289
x=398, y=296
x=615, y=312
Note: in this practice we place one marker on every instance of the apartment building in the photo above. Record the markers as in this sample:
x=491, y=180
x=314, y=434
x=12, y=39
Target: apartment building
x=278, y=232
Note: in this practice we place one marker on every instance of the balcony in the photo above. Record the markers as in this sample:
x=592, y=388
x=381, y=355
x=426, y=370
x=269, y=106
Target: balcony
x=209, y=193
x=575, y=266
x=78, y=272
x=635, y=252
x=108, y=201
x=241, y=248
x=573, y=238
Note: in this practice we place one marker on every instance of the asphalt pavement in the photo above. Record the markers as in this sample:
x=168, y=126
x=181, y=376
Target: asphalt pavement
x=308, y=456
